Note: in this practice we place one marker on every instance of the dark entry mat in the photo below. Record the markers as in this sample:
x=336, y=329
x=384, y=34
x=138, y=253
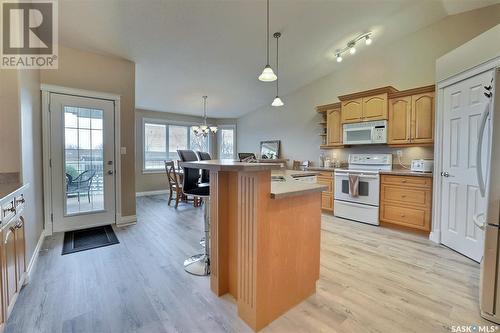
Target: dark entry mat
x=86, y=239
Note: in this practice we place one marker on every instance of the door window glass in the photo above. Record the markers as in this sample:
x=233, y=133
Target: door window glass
x=83, y=160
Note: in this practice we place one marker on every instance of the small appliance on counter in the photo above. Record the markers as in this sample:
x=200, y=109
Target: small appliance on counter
x=422, y=165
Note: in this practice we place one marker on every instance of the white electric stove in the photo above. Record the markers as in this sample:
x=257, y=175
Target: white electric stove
x=365, y=206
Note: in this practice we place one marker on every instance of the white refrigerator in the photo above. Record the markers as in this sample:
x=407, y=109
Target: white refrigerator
x=489, y=186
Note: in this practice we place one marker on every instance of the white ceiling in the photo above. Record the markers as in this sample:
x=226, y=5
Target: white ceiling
x=184, y=49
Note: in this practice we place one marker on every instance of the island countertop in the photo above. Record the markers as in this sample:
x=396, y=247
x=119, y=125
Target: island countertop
x=230, y=165
x=286, y=186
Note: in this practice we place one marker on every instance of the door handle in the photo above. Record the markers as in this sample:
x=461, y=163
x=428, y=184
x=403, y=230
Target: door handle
x=110, y=172
x=446, y=174
x=479, y=158
x=476, y=218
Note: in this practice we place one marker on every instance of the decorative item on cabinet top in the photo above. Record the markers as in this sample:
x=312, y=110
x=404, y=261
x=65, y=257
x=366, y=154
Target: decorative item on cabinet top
x=331, y=126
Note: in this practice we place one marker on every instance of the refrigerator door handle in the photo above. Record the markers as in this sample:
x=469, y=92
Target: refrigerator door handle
x=480, y=224
x=479, y=157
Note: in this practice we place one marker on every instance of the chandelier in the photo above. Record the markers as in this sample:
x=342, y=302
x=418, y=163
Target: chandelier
x=204, y=129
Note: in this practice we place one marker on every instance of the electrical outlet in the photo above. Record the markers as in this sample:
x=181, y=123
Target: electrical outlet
x=399, y=153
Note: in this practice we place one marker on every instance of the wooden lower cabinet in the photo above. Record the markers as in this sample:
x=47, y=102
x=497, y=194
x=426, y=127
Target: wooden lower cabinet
x=13, y=256
x=10, y=266
x=326, y=178
x=406, y=201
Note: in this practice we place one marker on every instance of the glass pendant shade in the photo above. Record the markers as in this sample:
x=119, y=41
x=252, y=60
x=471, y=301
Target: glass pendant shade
x=267, y=75
x=277, y=102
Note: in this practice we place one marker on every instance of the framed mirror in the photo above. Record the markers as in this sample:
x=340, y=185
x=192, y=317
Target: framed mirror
x=270, y=149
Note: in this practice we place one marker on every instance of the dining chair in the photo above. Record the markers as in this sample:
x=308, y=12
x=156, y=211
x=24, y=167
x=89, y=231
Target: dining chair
x=173, y=183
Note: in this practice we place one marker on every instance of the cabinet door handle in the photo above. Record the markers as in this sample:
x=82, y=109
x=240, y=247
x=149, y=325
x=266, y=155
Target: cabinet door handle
x=11, y=230
x=403, y=215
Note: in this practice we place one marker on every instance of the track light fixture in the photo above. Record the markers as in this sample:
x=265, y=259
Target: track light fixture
x=351, y=45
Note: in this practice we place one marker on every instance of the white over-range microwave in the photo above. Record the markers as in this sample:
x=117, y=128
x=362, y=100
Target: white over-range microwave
x=370, y=132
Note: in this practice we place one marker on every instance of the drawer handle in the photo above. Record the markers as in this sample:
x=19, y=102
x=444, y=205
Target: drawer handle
x=403, y=215
x=403, y=181
x=20, y=201
x=10, y=209
x=403, y=196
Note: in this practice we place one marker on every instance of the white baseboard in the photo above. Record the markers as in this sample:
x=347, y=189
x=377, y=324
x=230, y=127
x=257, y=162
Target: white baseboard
x=34, y=258
x=123, y=221
x=435, y=236
x=143, y=194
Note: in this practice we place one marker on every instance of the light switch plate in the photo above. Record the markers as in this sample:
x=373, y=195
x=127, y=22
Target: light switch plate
x=123, y=150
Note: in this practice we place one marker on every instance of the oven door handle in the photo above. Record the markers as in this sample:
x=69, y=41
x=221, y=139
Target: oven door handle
x=356, y=204
x=357, y=174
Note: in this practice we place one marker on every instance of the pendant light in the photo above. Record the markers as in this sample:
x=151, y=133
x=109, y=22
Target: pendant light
x=267, y=74
x=204, y=129
x=277, y=100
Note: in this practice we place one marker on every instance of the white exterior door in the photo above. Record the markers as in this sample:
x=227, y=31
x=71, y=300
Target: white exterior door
x=463, y=106
x=82, y=162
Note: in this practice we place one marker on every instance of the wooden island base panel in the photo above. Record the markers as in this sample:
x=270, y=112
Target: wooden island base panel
x=265, y=239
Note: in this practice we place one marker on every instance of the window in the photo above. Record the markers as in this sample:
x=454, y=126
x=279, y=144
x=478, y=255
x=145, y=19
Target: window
x=160, y=135
x=155, y=146
x=227, y=141
x=177, y=139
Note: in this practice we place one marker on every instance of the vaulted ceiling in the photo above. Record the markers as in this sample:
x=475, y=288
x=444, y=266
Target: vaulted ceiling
x=184, y=49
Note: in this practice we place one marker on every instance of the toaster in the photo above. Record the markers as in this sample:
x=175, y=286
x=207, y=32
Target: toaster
x=422, y=165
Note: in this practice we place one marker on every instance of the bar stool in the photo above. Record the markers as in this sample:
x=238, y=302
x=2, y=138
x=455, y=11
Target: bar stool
x=205, y=174
x=198, y=264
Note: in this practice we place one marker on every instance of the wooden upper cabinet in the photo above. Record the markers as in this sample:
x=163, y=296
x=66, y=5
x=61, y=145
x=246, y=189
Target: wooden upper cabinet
x=352, y=111
x=375, y=107
x=422, y=115
x=334, y=127
x=399, y=120
x=411, y=117
x=367, y=105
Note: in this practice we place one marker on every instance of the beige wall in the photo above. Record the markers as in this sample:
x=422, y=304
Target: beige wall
x=468, y=55
x=147, y=181
x=9, y=122
x=406, y=63
x=84, y=70
x=31, y=152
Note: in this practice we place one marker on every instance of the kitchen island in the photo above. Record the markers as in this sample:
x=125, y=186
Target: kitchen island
x=265, y=238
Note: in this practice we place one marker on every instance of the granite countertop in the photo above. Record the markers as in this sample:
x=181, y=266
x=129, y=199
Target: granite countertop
x=290, y=186
x=230, y=165
x=294, y=173
x=9, y=183
x=8, y=188
x=406, y=172
x=331, y=169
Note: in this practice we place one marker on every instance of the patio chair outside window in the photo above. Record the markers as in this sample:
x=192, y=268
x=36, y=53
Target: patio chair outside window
x=80, y=185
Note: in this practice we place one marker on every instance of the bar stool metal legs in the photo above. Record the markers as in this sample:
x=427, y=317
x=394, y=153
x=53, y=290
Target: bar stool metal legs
x=200, y=264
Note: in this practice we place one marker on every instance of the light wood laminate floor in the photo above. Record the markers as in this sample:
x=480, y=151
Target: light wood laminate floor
x=372, y=280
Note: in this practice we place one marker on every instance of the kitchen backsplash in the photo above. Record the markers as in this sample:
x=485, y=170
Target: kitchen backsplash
x=409, y=153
